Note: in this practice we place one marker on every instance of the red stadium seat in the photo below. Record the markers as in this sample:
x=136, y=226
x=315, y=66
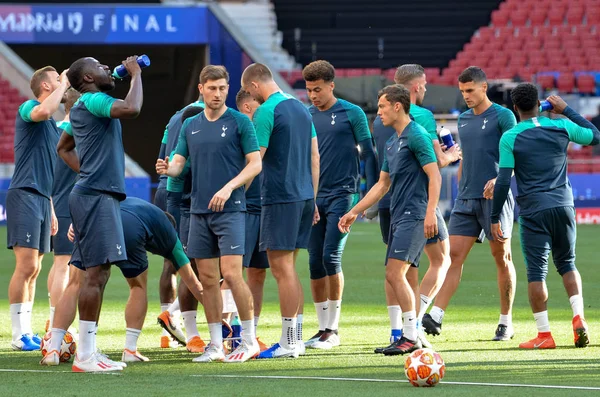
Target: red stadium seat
x=500, y=17
x=565, y=82
x=546, y=81
x=574, y=15
x=354, y=72
x=538, y=17
x=519, y=18
x=372, y=72
x=586, y=84
x=556, y=16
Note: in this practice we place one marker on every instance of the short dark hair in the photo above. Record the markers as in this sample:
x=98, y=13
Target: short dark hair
x=397, y=93
x=40, y=76
x=257, y=72
x=191, y=111
x=76, y=72
x=525, y=96
x=71, y=96
x=407, y=73
x=171, y=219
x=242, y=97
x=474, y=74
x=319, y=70
x=213, y=72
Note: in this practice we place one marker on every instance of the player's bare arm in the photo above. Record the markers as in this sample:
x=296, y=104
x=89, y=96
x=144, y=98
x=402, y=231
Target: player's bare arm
x=170, y=168
x=435, y=186
x=371, y=198
x=130, y=107
x=49, y=106
x=66, y=151
x=315, y=165
x=446, y=157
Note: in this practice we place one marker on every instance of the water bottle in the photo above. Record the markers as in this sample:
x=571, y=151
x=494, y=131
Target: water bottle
x=545, y=106
x=120, y=72
x=446, y=136
x=236, y=337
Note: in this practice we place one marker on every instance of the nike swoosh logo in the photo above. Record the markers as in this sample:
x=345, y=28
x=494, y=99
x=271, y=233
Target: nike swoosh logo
x=91, y=332
x=397, y=252
x=535, y=346
x=195, y=132
x=462, y=125
x=232, y=247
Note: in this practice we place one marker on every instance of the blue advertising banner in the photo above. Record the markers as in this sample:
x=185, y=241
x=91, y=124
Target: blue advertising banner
x=103, y=25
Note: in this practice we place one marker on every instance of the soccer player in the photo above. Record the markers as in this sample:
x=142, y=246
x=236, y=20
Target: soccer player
x=94, y=200
x=29, y=209
x=64, y=180
x=288, y=145
x=342, y=128
x=480, y=129
x=411, y=172
x=437, y=249
x=173, y=199
x=221, y=145
x=536, y=150
x=146, y=228
x=255, y=260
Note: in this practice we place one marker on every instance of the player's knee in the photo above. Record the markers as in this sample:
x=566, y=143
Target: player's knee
x=317, y=270
x=282, y=272
x=256, y=275
x=536, y=274
x=502, y=255
x=332, y=261
x=565, y=267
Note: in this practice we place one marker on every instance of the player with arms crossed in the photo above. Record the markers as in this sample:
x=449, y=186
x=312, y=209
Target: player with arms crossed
x=94, y=200
x=536, y=149
x=480, y=129
x=224, y=154
x=64, y=180
x=29, y=210
x=437, y=249
x=341, y=128
x=288, y=145
x=411, y=172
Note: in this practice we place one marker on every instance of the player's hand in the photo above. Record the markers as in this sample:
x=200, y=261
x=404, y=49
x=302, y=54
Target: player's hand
x=372, y=212
x=431, y=227
x=63, y=78
x=217, y=203
x=132, y=66
x=559, y=105
x=497, y=232
x=162, y=166
x=455, y=153
x=346, y=221
x=71, y=233
x=54, y=225
x=488, y=190
x=316, y=217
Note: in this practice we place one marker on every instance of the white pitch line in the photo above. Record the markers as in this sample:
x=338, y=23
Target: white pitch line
x=394, y=381
x=51, y=372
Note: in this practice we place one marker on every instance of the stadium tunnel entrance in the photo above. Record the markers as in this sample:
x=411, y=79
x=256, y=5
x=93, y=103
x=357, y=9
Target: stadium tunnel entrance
x=169, y=84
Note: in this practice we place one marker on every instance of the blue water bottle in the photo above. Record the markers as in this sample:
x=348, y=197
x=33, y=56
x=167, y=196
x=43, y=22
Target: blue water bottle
x=120, y=72
x=446, y=136
x=545, y=106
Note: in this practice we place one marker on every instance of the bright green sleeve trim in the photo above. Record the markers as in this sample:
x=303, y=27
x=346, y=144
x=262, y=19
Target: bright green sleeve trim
x=425, y=119
x=98, y=103
x=422, y=146
x=577, y=134
x=358, y=121
x=26, y=108
x=182, y=147
x=165, y=136
x=247, y=133
x=178, y=256
x=313, y=130
x=507, y=145
x=385, y=167
x=506, y=119
x=263, y=123
x=65, y=126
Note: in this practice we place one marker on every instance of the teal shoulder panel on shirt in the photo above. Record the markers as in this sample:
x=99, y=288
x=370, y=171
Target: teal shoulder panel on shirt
x=424, y=117
x=26, y=108
x=65, y=126
x=165, y=135
x=264, y=118
x=577, y=134
x=507, y=145
x=182, y=147
x=178, y=256
x=506, y=118
x=246, y=130
x=421, y=145
x=98, y=103
x=358, y=121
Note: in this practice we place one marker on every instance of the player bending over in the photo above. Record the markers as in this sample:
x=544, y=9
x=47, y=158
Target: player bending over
x=536, y=150
x=411, y=172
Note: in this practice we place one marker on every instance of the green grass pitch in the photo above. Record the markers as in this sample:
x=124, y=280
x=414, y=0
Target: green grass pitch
x=464, y=344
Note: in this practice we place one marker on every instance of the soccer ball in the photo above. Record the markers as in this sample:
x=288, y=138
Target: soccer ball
x=67, y=348
x=424, y=368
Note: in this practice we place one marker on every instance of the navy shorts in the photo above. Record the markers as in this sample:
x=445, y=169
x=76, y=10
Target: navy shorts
x=407, y=240
x=217, y=234
x=471, y=217
x=555, y=230
x=160, y=198
x=254, y=257
x=174, y=206
x=28, y=220
x=286, y=226
x=326, y=241
x=184, y=228
x=442, y=229
x=60, y=242
x=98, y=227
x=384, y=224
